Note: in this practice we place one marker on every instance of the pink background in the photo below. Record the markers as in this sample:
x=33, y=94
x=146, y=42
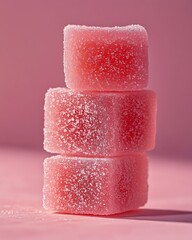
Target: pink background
x=31, y=52
x=31, y=56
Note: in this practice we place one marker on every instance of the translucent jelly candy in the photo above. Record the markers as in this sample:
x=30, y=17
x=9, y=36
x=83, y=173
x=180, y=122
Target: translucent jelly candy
x=98, y=186
x=99, y=123
x=106, y=58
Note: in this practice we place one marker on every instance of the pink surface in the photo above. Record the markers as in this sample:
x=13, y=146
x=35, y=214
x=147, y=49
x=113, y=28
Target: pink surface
x=98, y=123
x=167, y=215
x=105, y=59
x=96, y=186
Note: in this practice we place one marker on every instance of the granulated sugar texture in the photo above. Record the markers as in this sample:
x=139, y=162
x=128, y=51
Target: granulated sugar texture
x=106, y=59
x=98, y=186
x=102, y=125
x=99, y=123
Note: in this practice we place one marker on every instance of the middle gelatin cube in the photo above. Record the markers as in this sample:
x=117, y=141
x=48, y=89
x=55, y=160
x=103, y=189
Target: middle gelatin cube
x=99, y=123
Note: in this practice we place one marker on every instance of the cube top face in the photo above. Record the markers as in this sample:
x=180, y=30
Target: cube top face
x=98, y=186
x=99, y=123
x=106, y=59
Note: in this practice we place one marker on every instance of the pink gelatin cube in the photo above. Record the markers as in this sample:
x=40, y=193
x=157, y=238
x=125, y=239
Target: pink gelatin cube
x=99, y=123
x=98, y=186
x=106, y=58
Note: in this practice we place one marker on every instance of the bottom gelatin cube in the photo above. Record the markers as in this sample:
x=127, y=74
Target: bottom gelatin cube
x=97, y=186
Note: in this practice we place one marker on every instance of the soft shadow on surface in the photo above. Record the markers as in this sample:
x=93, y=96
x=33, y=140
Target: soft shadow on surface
x=160, y=215
x=157, y=215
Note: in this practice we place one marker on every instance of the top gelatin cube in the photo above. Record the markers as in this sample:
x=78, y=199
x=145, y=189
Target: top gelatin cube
x=106, y=58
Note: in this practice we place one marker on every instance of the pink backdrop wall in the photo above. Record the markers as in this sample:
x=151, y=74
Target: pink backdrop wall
x=31, y=62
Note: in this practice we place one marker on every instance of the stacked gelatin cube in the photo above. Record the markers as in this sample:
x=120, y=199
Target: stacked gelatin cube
x=102, y=125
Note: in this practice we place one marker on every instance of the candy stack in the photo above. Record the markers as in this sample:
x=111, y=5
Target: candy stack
x=102, y=125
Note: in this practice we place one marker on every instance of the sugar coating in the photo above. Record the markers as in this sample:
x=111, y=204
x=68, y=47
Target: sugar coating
x=106, y=59
x=99, y=123
x=98, y=186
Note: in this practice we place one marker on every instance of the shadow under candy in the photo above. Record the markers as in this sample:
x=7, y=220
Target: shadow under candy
x=161, y=215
